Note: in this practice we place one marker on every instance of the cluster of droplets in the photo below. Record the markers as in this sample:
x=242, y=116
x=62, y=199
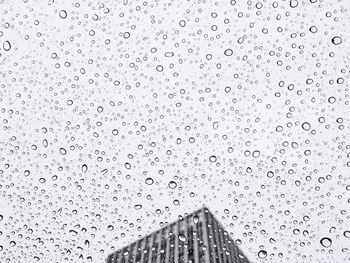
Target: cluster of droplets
x=117, y=116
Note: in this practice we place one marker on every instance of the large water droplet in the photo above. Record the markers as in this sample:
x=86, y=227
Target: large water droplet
x=228, y=52
x=326, y=242
x=172, y=185
x=306, y=126
x=262, y=254
x=63, y=151
x=270, y=174
x=293, y=3
x=63, y=14
x=6, y=45
x=336, y=40
x=149, y=181
x=212, y=158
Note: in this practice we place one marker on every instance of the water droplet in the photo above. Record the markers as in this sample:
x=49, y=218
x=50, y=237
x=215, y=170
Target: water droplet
x=63, y=151
x=195, y=219
x=215, y=125
x=159, y=68
x=149, y=181
x=63, y=14
x=270, y=174
x=169, y=54
x=279, y=128
x=313, y=29
x=256, y=154
x=110, y=228
x=212, y=159
x=306, y=126
x=293, y=3
x=182, y=238
x=228, y=52
x=172, y=185
x=336, y=40
x=182, y=23
x=138, y=206
x=331, y=100
x=6, y=45
x=262, y=254
x=84, y=168
x=42, y=180
x=45, y=143
x=326, y=242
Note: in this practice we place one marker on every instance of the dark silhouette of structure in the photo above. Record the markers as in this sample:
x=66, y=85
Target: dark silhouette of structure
x=196, y=238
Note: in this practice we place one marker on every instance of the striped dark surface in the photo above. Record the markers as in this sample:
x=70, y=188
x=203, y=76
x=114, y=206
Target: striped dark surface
x=197, y=238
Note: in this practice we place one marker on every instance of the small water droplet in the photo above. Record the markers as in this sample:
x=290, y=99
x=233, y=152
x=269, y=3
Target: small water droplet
x=169, y=54
x=138, y=207
x=182, y=23
x=159, y=68
x=182, y=238
x=42, y=180
x=215, y=125
x=84, y=168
